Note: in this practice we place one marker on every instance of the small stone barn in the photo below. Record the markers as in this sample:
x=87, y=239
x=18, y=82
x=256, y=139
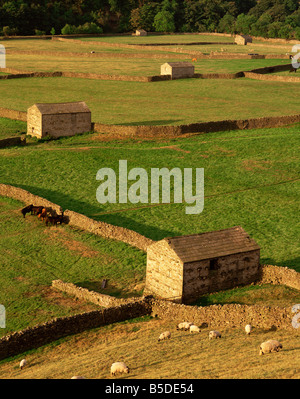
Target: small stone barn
x=178, y=70
x=183, y=268
x=58, y=119
x=242, y=39
x=140, y=32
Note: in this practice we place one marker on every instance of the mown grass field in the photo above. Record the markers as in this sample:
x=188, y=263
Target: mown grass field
x=184, y=356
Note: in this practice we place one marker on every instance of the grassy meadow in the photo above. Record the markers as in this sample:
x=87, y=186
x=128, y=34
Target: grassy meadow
x=251, y=178
x=176, y=102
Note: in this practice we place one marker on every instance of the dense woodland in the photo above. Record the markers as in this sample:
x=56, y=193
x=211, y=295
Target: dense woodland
x=266, y=18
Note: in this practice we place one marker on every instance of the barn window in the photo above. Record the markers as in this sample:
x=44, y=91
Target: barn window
x=213, y=264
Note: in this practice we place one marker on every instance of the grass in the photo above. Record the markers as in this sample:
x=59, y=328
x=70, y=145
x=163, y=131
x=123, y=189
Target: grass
x=10, y=128
x=129, y=66
x=251, y=179
x=91, y=354
x=157, y=103
x=32, y=255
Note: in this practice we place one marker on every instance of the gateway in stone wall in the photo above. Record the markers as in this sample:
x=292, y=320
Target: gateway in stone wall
x=58, y=119
x=183, y=268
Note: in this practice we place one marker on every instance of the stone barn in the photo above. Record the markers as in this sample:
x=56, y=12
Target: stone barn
x=58, y=119
x=242, y=39
x=183, y=268
x=140, y=32
x=178, y=70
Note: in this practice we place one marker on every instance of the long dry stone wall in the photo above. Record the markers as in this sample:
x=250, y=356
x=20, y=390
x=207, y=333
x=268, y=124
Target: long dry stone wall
x=34, y=337
x=271, y=274
x=108, y=230
x=223, y=316
x=78, y=220
x=102, y=300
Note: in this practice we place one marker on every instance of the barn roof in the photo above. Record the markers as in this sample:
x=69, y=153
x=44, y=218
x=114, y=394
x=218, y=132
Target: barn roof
x=213, y=244
x=62, y=108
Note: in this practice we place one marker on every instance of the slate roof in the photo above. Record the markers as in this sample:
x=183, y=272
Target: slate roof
x=62, y=108
x=213, y=244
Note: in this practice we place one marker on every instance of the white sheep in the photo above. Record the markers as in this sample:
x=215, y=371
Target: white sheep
x=272, y=345
x=184, y=326
x=164, y=335
x=78, y=377
x=194, y=328
x=23, y=363
x=248, y=329
x=214, y=334
x=119, y=367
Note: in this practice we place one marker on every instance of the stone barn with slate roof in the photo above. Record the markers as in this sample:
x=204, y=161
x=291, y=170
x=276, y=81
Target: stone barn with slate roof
x=58, y=119
x=178, y=70
x=183, y=268
x=242, y=39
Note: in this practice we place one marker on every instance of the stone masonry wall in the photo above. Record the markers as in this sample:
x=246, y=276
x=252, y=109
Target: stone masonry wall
x=102, y=300
x=34, y=337
x=164, y=273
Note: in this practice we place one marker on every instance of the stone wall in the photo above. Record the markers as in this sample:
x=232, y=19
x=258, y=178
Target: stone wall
x=280, y=275
x=274, y=78
x=13, y=114
x=102, y=300
x=224, y=316
x=108, y=230
x=78, y=220
x=34, y=337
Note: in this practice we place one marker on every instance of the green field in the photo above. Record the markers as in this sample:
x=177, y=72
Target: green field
x=176, y=102
x=251, y=179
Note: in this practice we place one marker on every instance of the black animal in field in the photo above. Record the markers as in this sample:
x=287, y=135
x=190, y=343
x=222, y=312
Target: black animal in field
x=26, y=209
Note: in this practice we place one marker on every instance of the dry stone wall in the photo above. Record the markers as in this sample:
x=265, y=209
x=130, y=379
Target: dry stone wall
x=108, y=230
x=271, y=274
x=102, y=300
x=223, y=316
x=12, y=141
x=34, y=337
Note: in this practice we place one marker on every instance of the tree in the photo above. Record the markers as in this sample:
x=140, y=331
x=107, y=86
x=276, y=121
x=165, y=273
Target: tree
x=164, y=22
x=227, y=24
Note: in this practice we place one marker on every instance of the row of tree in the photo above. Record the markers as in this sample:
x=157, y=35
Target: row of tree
x=267, y=18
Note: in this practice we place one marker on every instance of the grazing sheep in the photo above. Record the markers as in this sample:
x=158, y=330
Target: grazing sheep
x=78, y=377
x=214, y=334
x=23, y=363
x=119, y=367
x=164, y=335
x=272, y=345
x=248, y=329
x=184, y=326
x=194, y=328
x=27, y=209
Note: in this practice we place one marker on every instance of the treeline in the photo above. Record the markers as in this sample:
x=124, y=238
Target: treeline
x=266, y=18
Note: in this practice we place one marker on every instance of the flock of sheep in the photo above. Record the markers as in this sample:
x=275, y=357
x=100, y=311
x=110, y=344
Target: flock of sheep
x=269, y=346
x=47, y=215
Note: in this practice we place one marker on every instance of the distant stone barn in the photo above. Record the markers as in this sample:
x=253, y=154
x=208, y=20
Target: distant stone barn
x=58, y=119
x=178, y=70
x=140, y=32
x=243, y=39
x=183, y=268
